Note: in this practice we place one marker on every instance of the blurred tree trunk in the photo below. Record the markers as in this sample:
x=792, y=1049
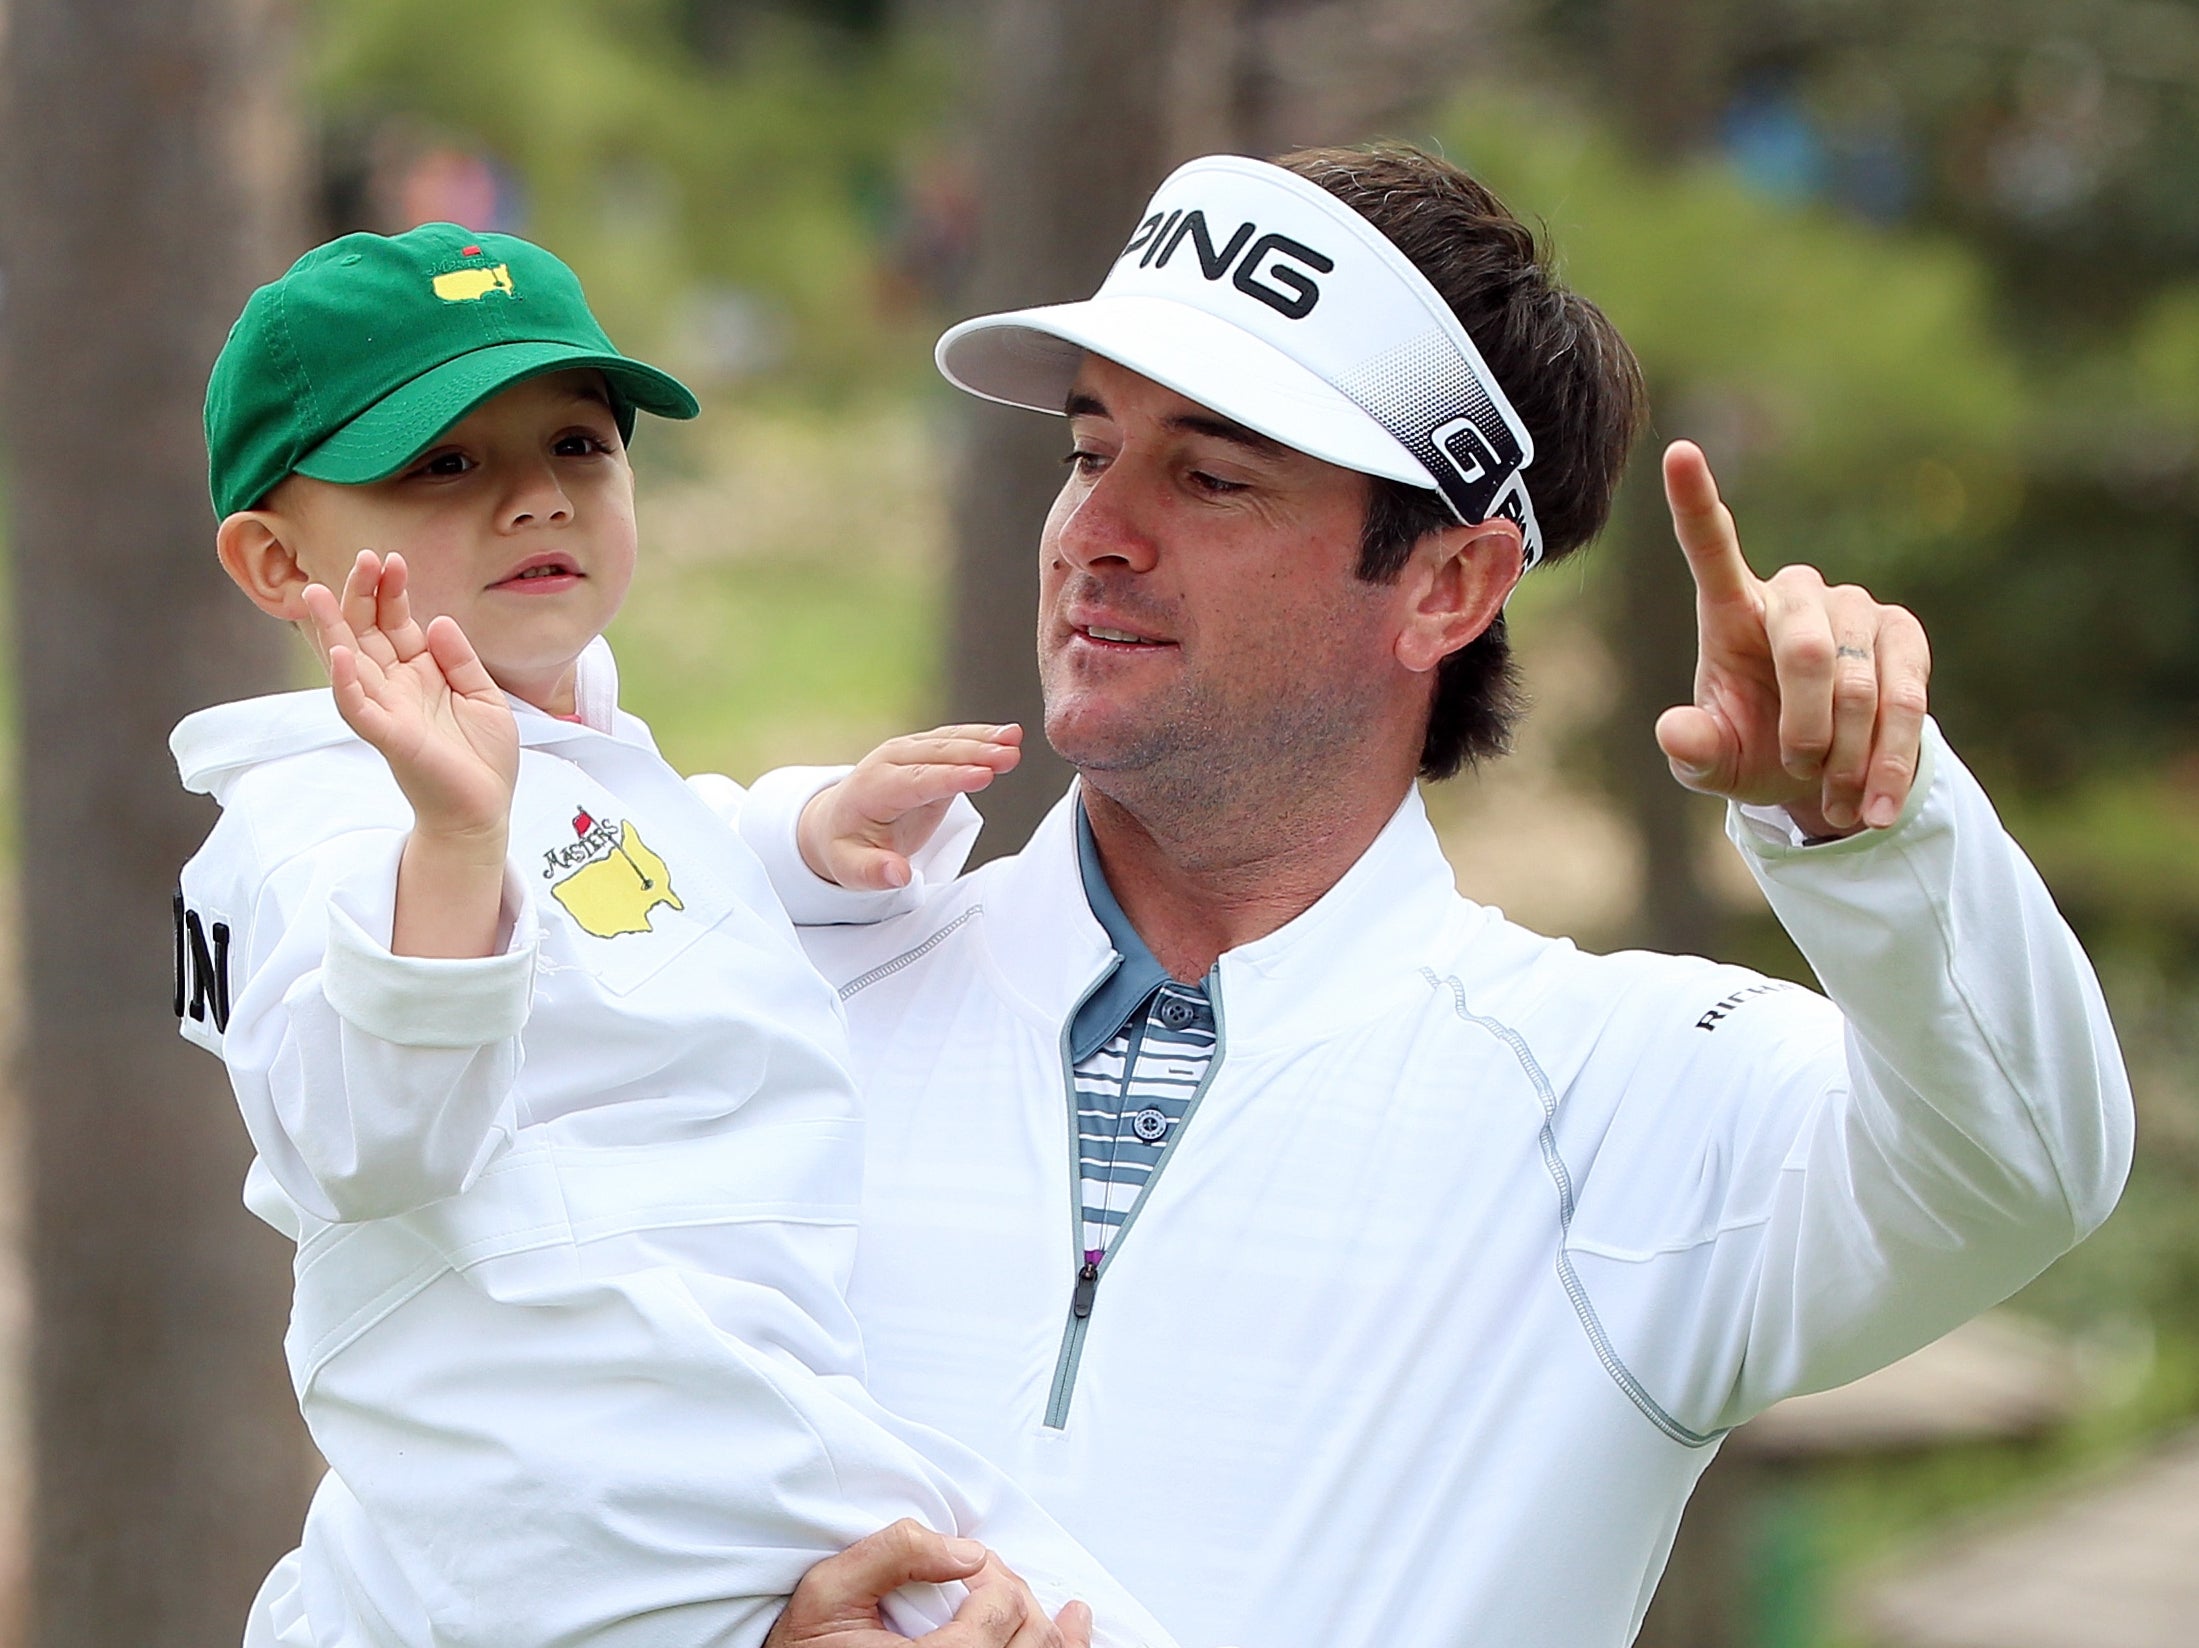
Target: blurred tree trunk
x=1077, y=130
x=149, y=181
x=1667, y=71
x=1650, y=627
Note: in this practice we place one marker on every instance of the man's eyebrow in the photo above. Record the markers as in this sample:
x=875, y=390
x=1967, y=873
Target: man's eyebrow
x=1084, y=405
x=1222, y=429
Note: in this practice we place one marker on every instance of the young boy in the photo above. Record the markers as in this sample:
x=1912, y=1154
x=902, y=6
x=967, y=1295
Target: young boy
x=538, y=1078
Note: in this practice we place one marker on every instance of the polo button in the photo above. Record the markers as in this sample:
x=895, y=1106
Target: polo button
x=1176, y=1012
x=1149, y=1125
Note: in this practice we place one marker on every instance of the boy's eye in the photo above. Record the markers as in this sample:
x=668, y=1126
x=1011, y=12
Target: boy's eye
x=443, y=463
x=580, y=443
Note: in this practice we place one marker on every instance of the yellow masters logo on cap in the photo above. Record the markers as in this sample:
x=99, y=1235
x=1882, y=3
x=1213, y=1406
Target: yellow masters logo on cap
x=467, y=285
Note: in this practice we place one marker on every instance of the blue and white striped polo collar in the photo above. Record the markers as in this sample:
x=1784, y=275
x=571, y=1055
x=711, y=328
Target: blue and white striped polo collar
x=1136, y=974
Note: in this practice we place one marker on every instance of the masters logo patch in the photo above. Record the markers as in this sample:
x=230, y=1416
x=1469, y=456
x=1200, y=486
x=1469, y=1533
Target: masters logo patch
x=611, y=880
x=470, y=285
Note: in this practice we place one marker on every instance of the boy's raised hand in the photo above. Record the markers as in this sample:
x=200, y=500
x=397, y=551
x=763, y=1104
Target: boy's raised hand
x=420, y=696
x=861, y=831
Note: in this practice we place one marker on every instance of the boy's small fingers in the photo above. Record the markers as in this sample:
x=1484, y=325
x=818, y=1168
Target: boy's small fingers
x=903, y=789
x=359, y=589
x=393, y=608
x=321, y=611
x=950, y=747
x=864, y=868
x=353, y=702
x=989, y=731
x=446, y=642
x=971, y=741
x=959, y=752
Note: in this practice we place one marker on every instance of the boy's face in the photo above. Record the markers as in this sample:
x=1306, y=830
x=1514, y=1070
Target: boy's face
x=518, y=522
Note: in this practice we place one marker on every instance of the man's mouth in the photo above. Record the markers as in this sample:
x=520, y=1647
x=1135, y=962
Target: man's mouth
x=1118, y=637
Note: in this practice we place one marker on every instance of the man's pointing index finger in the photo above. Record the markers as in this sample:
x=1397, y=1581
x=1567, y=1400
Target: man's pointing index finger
x=1704, y=526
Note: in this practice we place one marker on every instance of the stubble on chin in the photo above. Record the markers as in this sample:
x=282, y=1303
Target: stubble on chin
x=1197, y=766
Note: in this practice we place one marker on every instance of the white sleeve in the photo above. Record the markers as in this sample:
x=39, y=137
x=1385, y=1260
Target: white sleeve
x=1861, y=1181
x=767, y=814
x=372, y=1084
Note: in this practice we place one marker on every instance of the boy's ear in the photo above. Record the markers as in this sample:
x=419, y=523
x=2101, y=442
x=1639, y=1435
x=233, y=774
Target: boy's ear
x=1456, y=583
x=254, y=549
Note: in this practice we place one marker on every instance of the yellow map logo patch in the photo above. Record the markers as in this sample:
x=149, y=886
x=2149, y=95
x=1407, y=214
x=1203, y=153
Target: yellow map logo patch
x=469, y=285
x=618, y=881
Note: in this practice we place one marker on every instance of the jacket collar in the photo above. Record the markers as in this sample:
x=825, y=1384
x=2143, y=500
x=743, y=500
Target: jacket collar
x=214, y=745
x=1357, y=950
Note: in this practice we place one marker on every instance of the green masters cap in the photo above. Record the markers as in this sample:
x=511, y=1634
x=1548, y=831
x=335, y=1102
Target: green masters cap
x=350, y=365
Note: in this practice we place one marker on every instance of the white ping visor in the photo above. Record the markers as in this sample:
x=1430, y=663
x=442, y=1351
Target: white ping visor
x=1271, y=303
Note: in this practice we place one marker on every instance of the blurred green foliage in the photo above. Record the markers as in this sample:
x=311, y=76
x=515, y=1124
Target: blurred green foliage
x=662, y=157
x=1846, y=381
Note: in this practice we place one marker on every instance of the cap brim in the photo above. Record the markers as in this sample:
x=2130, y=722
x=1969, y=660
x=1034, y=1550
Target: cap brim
x=405, y=422
x=1029, y=357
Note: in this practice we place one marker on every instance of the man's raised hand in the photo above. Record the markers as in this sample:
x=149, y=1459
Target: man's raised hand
x=1807, y=695
x=860, y=831
x=420, y=696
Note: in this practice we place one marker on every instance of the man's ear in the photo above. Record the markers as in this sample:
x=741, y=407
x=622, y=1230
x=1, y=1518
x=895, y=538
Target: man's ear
x=254, y=547
x=1456, y=583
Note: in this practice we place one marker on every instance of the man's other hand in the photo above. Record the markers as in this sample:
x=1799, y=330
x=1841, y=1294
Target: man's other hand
x=1807, y=695
x=838, y=1603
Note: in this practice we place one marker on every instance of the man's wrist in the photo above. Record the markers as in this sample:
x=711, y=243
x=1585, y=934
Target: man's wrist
x=1815, y=828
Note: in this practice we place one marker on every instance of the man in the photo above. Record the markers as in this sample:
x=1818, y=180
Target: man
x=1342, y=1264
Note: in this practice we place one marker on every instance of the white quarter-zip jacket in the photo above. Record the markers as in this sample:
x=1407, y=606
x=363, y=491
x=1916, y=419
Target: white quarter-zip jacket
x=1472, y=1246
x=574, y=1221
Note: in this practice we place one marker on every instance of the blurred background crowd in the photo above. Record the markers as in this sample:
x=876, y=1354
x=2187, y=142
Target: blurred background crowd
x=1921, y=275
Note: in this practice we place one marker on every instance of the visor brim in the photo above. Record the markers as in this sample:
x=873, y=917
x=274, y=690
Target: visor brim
x=1030, y=357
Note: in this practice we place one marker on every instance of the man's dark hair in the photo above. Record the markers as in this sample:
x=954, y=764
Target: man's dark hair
x=1563, y=366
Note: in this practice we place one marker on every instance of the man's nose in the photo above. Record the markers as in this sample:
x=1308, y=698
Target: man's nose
x=536, y=498
x=1110, y=524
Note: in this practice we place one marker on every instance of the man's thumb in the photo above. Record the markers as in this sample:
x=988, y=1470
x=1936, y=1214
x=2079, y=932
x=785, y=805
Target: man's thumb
x=1693, y=742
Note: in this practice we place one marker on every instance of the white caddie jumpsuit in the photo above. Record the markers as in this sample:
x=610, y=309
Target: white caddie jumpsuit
x=574, y=1221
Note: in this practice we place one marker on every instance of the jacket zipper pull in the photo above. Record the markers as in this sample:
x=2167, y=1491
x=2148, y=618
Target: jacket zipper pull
x=1080, y=1302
